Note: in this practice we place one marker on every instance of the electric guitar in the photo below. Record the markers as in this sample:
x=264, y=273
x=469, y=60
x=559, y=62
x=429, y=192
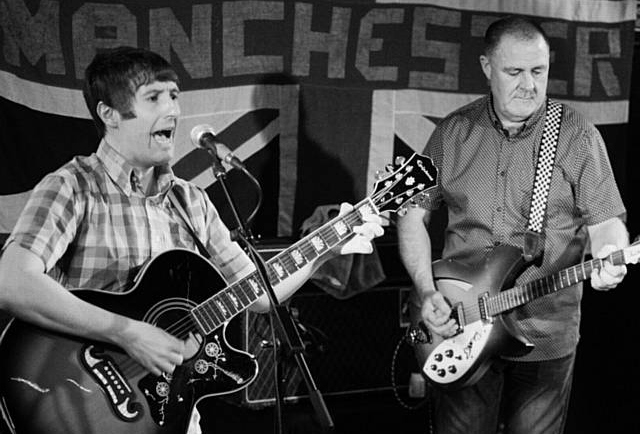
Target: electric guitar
x=55, y=383
x=478, y=300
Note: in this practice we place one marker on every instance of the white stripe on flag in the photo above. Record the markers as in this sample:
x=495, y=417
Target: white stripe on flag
x=49, y=99
x=599, y=11
x=402, y=113
x=221, y=107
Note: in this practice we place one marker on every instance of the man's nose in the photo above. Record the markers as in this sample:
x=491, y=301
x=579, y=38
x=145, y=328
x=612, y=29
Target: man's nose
x=172, y=106
x=526, y=81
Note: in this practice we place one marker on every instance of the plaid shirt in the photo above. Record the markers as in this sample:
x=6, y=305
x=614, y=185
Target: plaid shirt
x=93, y=227
x=486, y=180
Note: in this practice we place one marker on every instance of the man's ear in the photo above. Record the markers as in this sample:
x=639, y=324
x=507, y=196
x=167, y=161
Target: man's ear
x=109, y=115
x=485, y=64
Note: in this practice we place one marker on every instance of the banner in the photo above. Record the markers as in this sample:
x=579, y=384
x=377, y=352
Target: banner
x=314, y=96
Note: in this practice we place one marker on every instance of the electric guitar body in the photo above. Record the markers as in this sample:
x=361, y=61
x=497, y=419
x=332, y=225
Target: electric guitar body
x=477, y=340
x=479, y=296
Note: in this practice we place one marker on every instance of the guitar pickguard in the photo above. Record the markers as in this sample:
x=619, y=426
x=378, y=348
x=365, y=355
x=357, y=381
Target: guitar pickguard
x=452, y=359
x=214, y=367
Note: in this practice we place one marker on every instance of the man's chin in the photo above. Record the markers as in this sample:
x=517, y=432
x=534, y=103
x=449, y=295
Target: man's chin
x=525, y=109
x=163, y=158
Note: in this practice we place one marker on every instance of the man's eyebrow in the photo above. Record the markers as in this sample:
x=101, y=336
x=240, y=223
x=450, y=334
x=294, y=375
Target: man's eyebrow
x=151, y=91
x=156, y=91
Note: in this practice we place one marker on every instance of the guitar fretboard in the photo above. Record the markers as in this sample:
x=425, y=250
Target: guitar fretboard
x=223, y=306
x=519, y=295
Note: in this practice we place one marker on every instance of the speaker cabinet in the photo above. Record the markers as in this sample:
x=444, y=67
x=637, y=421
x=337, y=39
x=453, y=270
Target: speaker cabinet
x=349, y=344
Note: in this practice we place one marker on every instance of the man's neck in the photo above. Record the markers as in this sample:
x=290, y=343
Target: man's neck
x=146, y=180
x=512, y=127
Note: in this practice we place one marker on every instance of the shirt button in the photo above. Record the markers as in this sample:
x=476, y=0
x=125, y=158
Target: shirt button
x=499, y=209
x=496, y=243
x=502, y=173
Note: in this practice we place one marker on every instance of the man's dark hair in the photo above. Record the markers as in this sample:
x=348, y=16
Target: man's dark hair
x=114, y=76
x=512, y=25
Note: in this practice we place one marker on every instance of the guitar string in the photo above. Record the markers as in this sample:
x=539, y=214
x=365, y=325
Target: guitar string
x=182, y=327
x=186, y=325
x=521, y=294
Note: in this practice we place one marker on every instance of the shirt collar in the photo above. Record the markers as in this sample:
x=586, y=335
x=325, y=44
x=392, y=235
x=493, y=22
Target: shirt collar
x=533, y=119
x=122, y=173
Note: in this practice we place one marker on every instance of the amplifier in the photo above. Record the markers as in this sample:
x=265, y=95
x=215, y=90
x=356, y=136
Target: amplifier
x=349, y=343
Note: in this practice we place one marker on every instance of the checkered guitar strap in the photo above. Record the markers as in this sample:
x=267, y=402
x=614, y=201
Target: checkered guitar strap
x=533, y=237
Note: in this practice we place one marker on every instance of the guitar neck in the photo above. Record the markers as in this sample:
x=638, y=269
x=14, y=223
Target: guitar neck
x=234, y=299
x=523, y=294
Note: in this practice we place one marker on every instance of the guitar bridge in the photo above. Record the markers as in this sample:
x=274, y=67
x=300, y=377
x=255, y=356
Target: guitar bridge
x=482, y=307
x=107, y=374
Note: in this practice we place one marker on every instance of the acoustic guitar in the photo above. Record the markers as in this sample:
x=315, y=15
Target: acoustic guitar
x=53, y=383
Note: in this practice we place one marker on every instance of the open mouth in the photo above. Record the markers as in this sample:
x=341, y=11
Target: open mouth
x=163, y=136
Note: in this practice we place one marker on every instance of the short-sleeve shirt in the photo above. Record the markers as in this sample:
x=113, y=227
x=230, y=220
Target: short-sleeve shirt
x=93, y=227
x=485, y=181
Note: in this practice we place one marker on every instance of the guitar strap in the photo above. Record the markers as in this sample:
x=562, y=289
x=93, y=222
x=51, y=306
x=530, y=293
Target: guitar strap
x=534, y=235
x=178, y=204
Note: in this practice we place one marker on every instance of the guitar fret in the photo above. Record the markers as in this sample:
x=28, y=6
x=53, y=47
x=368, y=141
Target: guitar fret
x=228, y=304
x=251, y=286
x=341, y=229
x=198, y=314
x=330, y=235
x=272, y=274
x=527, y=292
x=365, y=209
x=298, y=259
x=222, y=309
x=530, y=289
x=209, y=316
x=243, y=294
x=308, y=249
x=551, y=284
x=235, y=301
x=279, y=270
x=316, y=246
x=254, y=285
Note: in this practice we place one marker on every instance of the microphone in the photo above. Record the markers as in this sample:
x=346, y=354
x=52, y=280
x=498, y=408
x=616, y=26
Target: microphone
x=203, y=136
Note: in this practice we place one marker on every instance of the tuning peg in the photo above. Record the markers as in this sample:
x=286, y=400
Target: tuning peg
x=400, y=159
x=402, y=211
x=389, y=168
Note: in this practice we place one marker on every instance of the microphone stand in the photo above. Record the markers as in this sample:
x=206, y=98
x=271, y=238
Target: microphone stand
x=280, y=312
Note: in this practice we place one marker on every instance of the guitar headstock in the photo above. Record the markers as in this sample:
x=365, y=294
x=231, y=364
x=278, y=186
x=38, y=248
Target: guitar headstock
x=413, y=178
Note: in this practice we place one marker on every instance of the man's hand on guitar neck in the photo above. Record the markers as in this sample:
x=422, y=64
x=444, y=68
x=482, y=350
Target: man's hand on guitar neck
x=607, y=237
x=609, y=275
x=370, y=228
x=436, y=314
